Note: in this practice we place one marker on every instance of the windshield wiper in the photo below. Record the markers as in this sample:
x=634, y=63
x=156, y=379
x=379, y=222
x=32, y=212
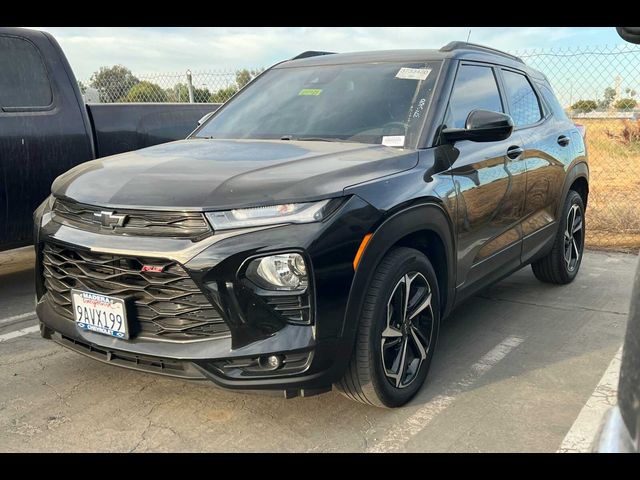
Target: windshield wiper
x=313, y=139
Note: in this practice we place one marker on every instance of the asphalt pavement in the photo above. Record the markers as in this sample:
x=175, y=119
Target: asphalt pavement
x=516, y=368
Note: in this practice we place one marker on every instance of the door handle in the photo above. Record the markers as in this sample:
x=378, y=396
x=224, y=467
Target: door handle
x=514, y=152
x=563, y=140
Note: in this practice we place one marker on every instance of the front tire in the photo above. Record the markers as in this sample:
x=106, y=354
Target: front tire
x=397, y=332
x=562, y=263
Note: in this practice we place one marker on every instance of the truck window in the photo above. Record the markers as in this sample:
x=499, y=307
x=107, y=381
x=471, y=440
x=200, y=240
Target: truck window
x=23, y=77
x=475, y=88
x=523, y=102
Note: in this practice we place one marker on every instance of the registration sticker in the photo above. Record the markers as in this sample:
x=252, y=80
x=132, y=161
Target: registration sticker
x=313, y=92
x=413, y=73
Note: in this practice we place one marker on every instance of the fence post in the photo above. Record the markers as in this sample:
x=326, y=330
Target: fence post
x=190, y=86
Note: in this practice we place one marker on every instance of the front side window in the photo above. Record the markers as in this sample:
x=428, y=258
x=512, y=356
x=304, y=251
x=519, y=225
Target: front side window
x=523, y=101
x=366, y=103
x=475, y=88
x=23, y=76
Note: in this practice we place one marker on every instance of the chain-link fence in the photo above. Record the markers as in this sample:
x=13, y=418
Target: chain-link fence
x=599, y=87
x=118, y=84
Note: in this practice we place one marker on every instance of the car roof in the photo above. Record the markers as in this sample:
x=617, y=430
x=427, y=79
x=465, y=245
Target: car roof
x=453, y=51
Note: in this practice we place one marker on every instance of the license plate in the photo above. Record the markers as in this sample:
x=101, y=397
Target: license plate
x=100, y=313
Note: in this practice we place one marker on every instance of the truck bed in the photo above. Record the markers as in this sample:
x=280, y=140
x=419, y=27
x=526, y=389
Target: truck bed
x=122, y=127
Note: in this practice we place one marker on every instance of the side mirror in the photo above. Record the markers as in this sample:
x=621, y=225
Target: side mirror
x=629, y=34
x=481, y=126
x=205, y=118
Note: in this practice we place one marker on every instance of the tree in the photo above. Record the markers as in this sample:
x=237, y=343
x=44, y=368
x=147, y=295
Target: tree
x=630, y=91
x=145, y=92
x=244, y=76
x=625, y=104
x=584, y=106
x=180, y=93
x=82, y=87
x=609, y=95
x=223, y=94
x=113, y=83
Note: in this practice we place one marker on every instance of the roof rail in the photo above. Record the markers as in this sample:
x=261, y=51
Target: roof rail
x=311, y=53
x=481, y=48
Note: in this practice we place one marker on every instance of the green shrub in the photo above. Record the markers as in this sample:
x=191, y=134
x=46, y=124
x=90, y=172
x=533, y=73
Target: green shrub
x=145, y=92
x=625, y=104
x=584, y=106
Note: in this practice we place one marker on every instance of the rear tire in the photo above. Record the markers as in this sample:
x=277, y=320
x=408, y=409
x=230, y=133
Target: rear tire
x=396, y=338
x=562, y=263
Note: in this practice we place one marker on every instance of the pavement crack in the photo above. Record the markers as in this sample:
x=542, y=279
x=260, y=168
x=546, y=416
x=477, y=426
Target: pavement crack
x=143, y=437
x=554, y=307
x=60, y=397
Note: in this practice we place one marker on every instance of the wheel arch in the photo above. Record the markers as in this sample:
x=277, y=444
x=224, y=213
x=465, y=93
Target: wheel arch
x=425, y=227
x=577, y=179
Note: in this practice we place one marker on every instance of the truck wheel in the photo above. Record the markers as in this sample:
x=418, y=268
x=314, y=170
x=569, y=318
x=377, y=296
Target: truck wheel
x=561, y=265
x=397, y=332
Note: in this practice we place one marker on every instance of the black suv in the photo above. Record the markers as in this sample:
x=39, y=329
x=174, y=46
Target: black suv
x=318, y=227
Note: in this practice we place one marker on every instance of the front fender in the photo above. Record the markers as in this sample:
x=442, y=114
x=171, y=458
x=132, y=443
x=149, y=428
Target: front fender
x=428, y=216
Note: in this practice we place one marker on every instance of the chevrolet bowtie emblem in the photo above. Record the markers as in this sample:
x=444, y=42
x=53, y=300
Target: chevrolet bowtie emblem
x=110, y=219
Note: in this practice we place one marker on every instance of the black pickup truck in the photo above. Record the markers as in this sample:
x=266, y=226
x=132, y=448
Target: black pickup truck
x=46, y=128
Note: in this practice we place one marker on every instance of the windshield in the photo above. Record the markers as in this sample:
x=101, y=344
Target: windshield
x=381, y=103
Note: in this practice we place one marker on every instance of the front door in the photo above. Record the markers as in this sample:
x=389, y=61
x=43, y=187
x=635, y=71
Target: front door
x=490, y=179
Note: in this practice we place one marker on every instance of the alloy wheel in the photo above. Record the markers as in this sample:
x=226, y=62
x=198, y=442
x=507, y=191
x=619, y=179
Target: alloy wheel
x=406, y=338
x=573, y=236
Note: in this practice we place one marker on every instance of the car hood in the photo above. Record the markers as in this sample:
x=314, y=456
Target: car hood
x=206, y=174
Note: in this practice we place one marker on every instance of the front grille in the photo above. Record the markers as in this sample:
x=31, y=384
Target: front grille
x=165, y=304
x=191, y=225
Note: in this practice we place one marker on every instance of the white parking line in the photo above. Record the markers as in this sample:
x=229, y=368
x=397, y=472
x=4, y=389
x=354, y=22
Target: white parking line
x=19, y=333
x=4, y=321
x=583, y=431
x=400, y=434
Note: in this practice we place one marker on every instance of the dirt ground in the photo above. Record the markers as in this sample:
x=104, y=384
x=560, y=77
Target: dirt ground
x=613, y=212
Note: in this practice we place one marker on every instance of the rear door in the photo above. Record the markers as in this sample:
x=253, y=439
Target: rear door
x=42, y=130
x=547, y=143
x=490, y=178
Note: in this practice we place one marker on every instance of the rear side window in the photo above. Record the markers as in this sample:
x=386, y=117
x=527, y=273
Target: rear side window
x=523, y=102
x=475, y=88
x=552, y=102
x=23, y=76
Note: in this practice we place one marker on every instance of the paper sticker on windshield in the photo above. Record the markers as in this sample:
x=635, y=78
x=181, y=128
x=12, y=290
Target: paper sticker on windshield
x=313, y=92
x=393, y=140
x=413, y=73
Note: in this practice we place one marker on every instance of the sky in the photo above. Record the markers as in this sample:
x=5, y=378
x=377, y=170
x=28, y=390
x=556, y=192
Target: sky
x=149, y=50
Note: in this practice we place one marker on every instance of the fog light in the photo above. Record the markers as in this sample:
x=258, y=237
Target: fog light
x=286, y=271
x=272, y=362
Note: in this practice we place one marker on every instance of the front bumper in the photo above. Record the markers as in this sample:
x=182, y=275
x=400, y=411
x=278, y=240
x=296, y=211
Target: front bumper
x=314, y=355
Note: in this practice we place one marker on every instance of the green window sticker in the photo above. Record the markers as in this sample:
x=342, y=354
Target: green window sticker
x=314, y=92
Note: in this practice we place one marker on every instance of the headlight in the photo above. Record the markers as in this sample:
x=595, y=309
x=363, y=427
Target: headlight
x=43, y=209
x=272, y=215
x=285, y=271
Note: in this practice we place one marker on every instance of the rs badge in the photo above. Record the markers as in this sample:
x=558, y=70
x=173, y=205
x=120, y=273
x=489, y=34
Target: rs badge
x=152, y=268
